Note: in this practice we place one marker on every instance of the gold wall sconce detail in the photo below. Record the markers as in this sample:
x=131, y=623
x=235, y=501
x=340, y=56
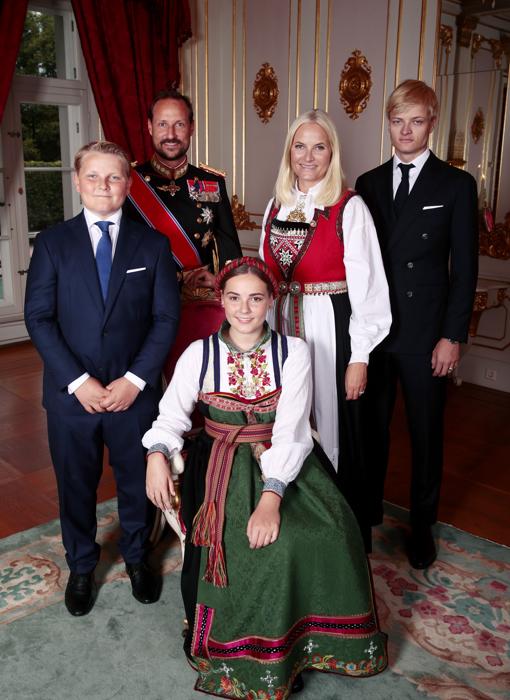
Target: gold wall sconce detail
x=496, y=243
x=355, y=84
x=265, y=93
x=478, y=125
x=241, y=216
x=446, y=37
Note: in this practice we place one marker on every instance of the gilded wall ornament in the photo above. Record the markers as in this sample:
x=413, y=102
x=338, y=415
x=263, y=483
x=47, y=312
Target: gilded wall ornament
x=241, y=216
x=355, y=84
x=446, y=37
x=496, y=243
x=265, y=93
x=466, y=27
x=478, y=125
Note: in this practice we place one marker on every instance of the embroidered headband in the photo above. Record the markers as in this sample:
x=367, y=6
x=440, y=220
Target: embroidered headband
x=249, y=262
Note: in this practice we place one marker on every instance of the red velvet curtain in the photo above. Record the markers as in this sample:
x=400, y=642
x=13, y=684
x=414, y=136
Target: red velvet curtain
x=131, y=52
x=12, y=21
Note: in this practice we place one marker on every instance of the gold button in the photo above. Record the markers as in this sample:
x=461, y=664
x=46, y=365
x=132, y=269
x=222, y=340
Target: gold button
x=198, y=205
x=196, y=235
x=199, y=220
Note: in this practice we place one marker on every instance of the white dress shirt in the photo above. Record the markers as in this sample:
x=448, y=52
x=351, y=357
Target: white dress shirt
x=291, y=441
x=95, y=236
x=370, y=310
x=418, y=163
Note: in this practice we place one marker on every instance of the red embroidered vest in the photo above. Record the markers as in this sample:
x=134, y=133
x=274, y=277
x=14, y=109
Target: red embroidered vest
x=307, y=253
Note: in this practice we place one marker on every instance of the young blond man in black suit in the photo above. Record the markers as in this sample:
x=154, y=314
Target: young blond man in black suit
x=426, y=215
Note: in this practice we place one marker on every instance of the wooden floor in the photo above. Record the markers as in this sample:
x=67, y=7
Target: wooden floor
x=476, y=485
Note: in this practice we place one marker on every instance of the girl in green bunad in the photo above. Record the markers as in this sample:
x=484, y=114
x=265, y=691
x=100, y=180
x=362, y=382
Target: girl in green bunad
x=275, y=579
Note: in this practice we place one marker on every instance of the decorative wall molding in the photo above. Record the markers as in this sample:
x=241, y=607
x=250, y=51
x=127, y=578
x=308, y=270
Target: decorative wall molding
x=355, y=84
x=265, y=93
x=241, y=216
x=496, y=243
x=478, y=125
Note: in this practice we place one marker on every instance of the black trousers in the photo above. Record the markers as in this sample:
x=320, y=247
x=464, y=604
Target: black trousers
x=424, y=398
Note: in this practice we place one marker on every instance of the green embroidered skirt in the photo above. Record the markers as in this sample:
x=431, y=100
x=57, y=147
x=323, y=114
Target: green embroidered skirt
x=303, y=602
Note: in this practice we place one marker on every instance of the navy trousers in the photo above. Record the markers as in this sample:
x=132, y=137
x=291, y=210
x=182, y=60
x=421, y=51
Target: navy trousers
x=77, y=445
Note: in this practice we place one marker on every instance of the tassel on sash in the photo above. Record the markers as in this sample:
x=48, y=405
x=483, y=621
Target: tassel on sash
x=208, y=522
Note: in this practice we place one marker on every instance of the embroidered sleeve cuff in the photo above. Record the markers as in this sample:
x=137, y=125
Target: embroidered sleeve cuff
x=274, y=485
x=161, y=447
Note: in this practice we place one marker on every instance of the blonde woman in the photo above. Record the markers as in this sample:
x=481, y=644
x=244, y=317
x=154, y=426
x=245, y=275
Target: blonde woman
x=319, y=240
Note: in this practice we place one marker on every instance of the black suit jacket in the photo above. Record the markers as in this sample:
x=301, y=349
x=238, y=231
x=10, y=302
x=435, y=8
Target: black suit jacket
x=75, y=331
x=430, y=253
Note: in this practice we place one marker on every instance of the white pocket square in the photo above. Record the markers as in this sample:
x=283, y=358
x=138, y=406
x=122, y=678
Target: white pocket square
x=135, y=269
x=434, y=206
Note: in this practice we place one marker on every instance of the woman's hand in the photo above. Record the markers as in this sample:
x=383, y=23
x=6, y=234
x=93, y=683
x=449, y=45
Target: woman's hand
x=355, y=380
x=159, y=484
x=264, y=523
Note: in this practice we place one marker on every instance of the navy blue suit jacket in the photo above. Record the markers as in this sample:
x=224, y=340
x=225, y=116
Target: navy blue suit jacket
x=75, y=331
x=430, y=253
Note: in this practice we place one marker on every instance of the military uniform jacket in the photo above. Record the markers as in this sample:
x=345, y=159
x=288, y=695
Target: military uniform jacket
x=430, y=253
x=198, y=199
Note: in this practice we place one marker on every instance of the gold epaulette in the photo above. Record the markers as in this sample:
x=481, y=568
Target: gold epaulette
x=214, y=171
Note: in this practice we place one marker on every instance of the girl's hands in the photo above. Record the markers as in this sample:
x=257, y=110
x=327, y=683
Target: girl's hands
x=264, y=523
x=159, y=484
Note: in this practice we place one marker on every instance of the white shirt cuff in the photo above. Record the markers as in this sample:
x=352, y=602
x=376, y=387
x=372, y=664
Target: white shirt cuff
x=135, y=380
x=71, y=388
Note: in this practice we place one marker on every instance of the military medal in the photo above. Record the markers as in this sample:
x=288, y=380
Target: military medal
x=172, y=188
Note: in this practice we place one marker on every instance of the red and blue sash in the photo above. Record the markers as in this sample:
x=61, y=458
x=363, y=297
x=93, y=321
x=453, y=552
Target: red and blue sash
x=157, y=215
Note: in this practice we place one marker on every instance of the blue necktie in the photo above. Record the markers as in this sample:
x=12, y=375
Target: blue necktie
x=104, y=256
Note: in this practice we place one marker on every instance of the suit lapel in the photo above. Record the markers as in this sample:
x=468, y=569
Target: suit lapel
x=127, y=243
x=82, y=248
x=428, y=181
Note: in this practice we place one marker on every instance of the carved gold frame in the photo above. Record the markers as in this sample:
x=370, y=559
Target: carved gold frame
x=265, y=92
x=355, y=84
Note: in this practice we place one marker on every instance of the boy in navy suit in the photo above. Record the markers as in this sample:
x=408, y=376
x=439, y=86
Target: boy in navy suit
x=426, y=215
x=102, y=308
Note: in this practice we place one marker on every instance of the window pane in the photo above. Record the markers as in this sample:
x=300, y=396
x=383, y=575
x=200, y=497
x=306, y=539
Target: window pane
x=43, y=47
x=41, y=134
x=37, y=54
x=45, y=199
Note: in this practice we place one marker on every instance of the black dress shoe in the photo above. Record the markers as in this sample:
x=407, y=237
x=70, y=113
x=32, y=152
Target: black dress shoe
x=298, y=684
x=145, y=584
x=80, y=593
x=422, y=549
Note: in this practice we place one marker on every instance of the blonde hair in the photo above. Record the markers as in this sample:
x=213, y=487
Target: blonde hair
x=106, y=147
x=333, y=182
x=412, y=92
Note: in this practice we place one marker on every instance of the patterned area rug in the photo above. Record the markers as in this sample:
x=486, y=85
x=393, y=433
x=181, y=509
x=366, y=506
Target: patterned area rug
x=448, y=627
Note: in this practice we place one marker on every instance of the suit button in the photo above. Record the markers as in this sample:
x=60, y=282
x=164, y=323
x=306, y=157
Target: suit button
x=410, y=265
x=409, y=294
x=199, y=220
x=424, y=236
x=196, y=236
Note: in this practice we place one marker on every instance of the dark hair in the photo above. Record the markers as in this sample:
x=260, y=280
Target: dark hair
x=247, y=270
x=171, y=94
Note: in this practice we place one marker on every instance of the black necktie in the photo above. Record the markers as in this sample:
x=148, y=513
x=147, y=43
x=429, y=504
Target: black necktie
x=104, y=255
x=403, y=189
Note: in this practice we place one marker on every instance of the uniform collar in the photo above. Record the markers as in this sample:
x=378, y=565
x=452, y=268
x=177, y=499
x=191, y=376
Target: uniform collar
x=165, y=171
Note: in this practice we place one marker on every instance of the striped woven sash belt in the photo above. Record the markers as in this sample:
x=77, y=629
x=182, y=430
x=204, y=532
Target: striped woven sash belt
x=208, y=522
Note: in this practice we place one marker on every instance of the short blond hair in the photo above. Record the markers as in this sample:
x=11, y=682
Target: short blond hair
x=107, y=148
x=333, y=183
x=412, y=92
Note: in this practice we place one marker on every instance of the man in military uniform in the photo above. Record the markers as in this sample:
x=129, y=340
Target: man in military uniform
x=190, y=205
